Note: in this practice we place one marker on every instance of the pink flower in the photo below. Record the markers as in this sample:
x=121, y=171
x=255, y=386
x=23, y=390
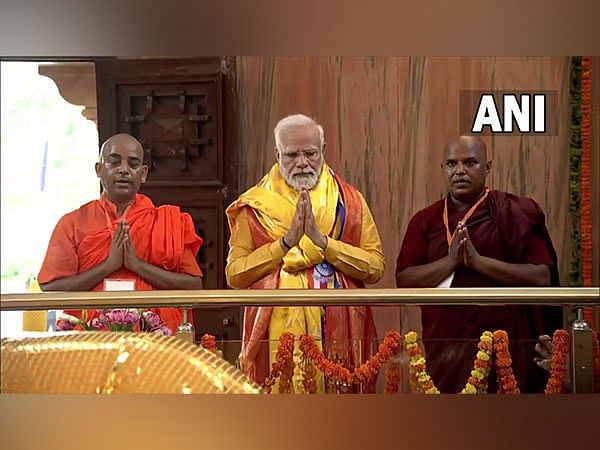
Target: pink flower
x=114, y=317
x=64, y=325
x=95, y=323
x=122, y=317
x=163, y=331
x=152, y=320
x=131, y=317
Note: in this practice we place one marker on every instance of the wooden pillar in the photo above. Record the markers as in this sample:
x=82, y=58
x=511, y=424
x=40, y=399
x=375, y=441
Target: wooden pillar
x=76, y=82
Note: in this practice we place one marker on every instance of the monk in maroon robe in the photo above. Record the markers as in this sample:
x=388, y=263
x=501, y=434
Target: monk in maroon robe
x=486, y=238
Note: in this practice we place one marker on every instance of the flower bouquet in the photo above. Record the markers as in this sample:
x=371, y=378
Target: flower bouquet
x=116, y=320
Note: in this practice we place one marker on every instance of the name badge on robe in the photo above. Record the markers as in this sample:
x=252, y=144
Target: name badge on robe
x=115, y=284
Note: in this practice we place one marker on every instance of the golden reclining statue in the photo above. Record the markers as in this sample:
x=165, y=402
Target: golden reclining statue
x=114, y=362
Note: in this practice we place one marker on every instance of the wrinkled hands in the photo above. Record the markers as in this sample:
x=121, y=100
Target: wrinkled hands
x=122, y=251
x=303, y=223
x=292, y=237
x=310, y=225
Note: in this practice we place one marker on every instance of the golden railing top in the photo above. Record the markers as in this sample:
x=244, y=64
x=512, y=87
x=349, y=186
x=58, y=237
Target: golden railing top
x=301, y=297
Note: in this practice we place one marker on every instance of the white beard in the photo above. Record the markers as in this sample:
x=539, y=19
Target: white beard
x=301, y=181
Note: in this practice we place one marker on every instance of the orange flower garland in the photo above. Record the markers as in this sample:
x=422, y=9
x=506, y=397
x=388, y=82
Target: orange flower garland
x=366, y=373
x=285, y=362
x=507, y=384
x=421, y=382
x=477, y=382
x=310, y=350
x=560, y=344
x=209, y=343
x=283, y=367
x=309, y=374
x=393, y=376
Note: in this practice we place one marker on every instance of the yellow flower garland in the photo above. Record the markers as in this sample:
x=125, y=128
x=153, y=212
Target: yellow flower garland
x=477, y=382
x=420, y=380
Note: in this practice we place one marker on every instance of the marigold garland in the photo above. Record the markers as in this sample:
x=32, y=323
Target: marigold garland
x=285, y=377
x=477, y=382
x=332, y=370
x=560, y=345
x=283, y=367
x=507, y=384
x=393, y=375
x=209, y=343
x=309, y=374
x=366, y=373
x=421, y=382
x=414, y=385
x=489, y=345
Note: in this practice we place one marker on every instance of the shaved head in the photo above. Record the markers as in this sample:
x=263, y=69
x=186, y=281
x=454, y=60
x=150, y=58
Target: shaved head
x=465, y=168
x=121, y=140
x=474, y=143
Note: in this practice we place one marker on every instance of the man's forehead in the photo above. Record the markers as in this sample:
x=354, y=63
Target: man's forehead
x=128, y=155
x=464, y=148
x=295, y=148
x=129, y=150
x=308, y=132
x=122, y=144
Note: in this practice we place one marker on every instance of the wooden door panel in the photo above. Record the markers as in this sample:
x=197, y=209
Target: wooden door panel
x=208, y=223
x=180, y=128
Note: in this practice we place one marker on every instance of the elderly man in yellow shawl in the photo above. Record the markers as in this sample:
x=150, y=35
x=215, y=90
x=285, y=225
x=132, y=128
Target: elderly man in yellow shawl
x=302, y=227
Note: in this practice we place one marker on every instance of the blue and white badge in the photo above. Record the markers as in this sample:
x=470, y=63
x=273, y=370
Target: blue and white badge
x=325, y=269
x=323, y=276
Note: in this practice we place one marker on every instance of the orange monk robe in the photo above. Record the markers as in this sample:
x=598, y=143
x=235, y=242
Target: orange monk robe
x=163, y=236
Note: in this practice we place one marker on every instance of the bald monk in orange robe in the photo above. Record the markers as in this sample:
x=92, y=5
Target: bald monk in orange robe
x=122, y=238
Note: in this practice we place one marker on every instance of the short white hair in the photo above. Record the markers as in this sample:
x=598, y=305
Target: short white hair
x=296, y=122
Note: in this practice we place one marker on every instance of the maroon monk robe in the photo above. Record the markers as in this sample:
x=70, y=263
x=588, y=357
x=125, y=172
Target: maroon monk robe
x=504, y=227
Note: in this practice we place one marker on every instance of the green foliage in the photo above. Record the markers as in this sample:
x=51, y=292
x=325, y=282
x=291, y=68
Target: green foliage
x=10, y=272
